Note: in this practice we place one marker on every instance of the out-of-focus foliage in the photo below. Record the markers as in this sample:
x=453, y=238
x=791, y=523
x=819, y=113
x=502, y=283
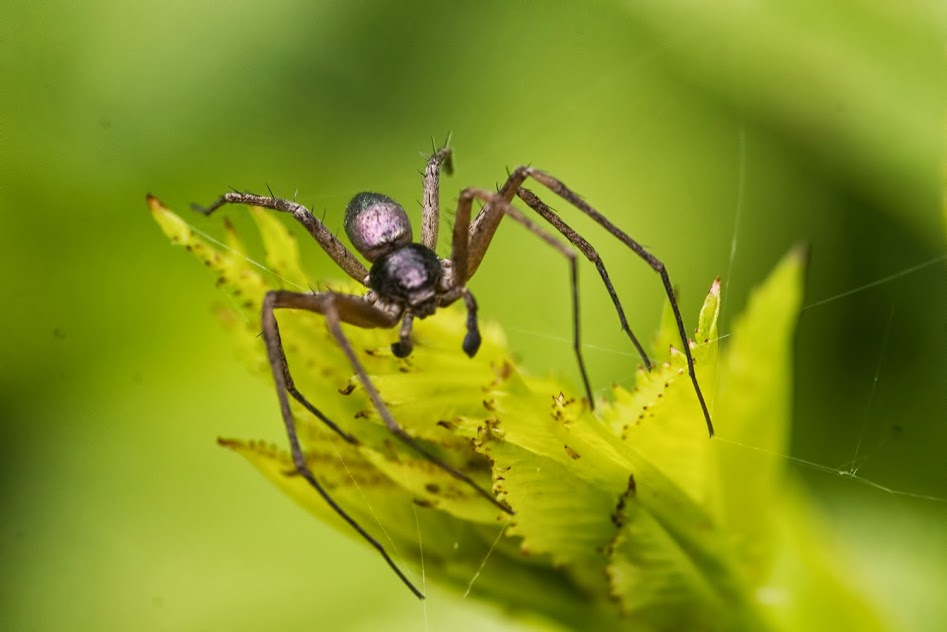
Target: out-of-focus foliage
x=720, y=136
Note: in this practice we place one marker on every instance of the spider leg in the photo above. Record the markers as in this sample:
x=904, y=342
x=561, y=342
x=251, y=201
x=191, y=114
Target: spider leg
x=592, y=255
x=357, y=311
x=338, y=308
x=485, y=225
x=430, y=217
x=342, y=256
x=460, y=260
x=333, y=320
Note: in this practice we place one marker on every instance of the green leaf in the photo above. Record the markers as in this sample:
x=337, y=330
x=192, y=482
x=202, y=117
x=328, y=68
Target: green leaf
x=628, y=516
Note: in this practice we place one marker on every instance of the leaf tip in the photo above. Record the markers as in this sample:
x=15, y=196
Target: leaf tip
x=801, y=253
x=233, y=444
x=715, y=288
x=154, y=204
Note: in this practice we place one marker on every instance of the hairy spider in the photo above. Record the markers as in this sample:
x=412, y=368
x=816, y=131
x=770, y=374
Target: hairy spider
x=407, y=280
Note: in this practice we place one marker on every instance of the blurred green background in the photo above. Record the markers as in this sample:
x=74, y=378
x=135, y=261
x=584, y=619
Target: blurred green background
x=718, y=136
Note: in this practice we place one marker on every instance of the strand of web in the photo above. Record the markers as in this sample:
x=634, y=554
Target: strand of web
x=610, y=349
x=854, y=465
x=417, y=523
x=851, y=469
x=737, y=215
x=483, y=563
x=846, y=473
x=394, y=547
x=252, y=262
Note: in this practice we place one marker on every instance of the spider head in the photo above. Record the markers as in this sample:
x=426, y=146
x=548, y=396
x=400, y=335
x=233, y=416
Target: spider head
x=408, y=276
x=376, y=225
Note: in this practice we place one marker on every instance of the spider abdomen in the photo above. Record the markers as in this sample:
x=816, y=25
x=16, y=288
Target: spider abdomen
x=409, y=275
x=376, y=224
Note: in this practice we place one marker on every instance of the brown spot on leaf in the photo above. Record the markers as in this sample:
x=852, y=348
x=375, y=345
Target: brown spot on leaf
x=505, y=371
x=619, y=517
x=347, y=389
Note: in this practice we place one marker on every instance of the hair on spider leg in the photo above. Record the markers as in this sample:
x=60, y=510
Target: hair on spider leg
x=406, y=280
x=444, y=146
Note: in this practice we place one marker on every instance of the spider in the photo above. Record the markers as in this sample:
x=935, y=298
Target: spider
x=407, y=280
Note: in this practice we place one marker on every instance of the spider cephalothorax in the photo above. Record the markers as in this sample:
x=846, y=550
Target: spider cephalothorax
x=409, y=275
x=408, y=280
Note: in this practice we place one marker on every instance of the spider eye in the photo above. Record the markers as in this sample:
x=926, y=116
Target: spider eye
x=376, y=224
